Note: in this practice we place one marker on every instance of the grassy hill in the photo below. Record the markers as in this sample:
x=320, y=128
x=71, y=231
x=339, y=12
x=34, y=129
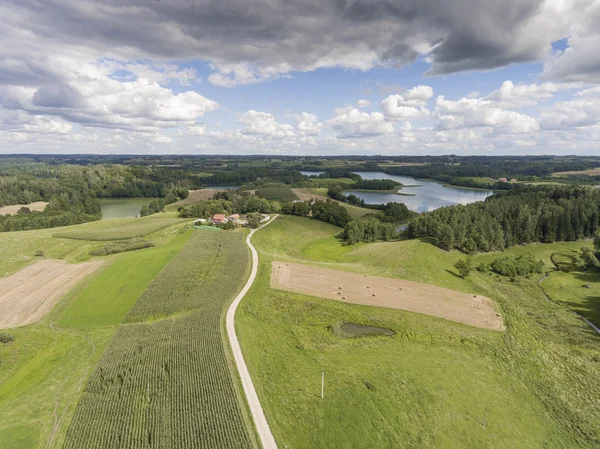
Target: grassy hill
x=431, y=384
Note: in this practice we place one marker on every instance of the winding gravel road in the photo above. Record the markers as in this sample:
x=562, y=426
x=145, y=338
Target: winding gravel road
x=262, y=426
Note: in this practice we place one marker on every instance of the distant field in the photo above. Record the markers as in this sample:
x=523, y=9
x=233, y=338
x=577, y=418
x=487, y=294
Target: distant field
x=165, y=380
x=280, y=194
x=119, y=229
x=333, y=181
x=13, y=209
x=193, y=197
x=429, y=385
x=590, y=172
x=43, y=370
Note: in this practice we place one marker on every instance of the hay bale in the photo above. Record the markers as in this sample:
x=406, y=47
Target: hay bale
x=374, y=294
x=339, y=288
x=343, y=297
x=368, y=286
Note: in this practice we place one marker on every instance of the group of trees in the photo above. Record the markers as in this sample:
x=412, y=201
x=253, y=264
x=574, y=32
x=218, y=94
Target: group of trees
x=229, y=202
x=376, y=184
x=327, y=211
x=521, y=216
x=368, y=229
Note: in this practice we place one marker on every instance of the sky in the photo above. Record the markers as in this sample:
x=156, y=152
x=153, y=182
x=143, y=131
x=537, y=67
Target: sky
x=300, y=77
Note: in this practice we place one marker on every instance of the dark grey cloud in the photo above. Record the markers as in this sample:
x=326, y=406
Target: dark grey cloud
x=247, y=41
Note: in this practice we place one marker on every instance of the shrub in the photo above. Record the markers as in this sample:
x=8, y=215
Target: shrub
x=517, y=266
x=5, y=337
x=121, y=246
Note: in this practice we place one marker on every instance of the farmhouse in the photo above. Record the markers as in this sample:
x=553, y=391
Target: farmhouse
x=502, y=180
x=200, y=221
x=219, y=219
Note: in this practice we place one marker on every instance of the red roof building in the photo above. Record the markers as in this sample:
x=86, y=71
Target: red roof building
x=219, y=218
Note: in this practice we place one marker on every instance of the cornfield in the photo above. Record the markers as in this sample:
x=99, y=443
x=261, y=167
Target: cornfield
x=164, y=380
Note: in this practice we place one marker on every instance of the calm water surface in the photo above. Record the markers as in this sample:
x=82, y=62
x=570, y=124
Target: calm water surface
x=429, y=196
x=122, y=207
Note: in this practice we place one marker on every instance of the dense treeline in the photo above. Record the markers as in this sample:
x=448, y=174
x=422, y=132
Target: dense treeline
x=491, y=167
x=525, y=215
x=65, y=209
x=376, y=184
x=240, y=176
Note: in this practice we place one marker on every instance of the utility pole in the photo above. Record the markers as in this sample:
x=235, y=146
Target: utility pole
x=322, y=384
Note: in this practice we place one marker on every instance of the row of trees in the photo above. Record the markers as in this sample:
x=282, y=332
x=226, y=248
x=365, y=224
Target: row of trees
x=521, y=216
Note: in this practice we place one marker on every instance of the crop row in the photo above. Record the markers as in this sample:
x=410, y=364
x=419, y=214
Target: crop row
x=166, y=383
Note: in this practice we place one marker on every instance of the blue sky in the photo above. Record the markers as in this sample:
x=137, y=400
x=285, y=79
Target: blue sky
x=353, y=77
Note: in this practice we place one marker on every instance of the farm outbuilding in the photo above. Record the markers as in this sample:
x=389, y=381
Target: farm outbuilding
x=219, y=219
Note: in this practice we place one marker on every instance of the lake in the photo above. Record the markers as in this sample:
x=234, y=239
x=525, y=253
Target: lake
x=429, y=196
x=122, y=207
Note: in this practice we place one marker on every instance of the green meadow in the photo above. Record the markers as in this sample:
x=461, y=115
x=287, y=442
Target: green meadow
x=435, y=383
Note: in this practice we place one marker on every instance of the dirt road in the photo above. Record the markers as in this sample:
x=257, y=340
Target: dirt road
x=262, y=426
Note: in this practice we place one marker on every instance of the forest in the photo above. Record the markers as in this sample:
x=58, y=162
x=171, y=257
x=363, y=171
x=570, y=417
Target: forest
x=524, y=215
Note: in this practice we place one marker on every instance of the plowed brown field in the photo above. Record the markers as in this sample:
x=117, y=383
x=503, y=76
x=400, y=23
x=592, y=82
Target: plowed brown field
x=473, y=310
x=27, y=295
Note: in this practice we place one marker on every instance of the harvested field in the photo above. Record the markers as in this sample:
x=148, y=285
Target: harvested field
x=473, y=310
x=27, y=295
x=38, y=206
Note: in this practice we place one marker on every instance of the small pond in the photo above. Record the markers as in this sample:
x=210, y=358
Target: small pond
x=122, y=207
x=361, y=330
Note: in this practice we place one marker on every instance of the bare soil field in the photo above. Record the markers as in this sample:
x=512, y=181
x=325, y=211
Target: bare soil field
x=473, y=310
x=38, y=206
x=27, y=295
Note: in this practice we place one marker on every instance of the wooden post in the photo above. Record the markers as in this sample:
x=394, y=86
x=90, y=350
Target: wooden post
x=322, y=384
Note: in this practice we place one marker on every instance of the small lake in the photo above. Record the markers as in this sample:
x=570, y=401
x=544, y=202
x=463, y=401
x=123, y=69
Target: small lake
x=429, y=196
x=122, y=207
x=311, y=173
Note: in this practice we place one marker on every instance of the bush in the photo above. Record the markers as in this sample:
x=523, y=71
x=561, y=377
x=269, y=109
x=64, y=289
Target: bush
x=464, y=267
x=122, y=246
x=39, y=253
x=517, y=266
x=5, y=337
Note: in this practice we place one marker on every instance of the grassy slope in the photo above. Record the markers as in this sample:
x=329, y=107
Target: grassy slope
x=46, y=367
x=119, y=228
x=429, y=384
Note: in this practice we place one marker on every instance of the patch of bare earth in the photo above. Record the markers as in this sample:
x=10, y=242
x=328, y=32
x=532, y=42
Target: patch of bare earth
x=473, y=310
x=27, y=295
x=38, y=206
